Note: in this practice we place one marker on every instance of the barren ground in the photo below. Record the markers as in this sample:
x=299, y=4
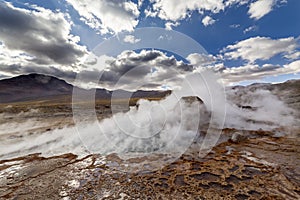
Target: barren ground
x=263, y=166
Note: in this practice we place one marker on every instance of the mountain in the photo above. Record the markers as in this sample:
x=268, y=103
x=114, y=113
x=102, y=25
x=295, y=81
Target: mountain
x=43, y=87
x=32, y=86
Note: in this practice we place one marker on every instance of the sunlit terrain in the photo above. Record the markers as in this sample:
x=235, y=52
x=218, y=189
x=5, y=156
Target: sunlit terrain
x=258, y=146
x=150, y=99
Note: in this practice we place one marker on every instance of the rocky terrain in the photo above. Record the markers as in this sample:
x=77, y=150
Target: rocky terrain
x=260, y=168
x=245, y=164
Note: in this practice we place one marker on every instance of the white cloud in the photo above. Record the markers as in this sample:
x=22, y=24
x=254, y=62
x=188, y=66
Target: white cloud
x=293, y=67
x=262, y=48
x=250, y=28
x=169, y=25
x=293, y=56
x=247, y=72
x=234, y=25
x=239, y=2
x=131, y=39
x=180, y=9
x=256, y=72
x=150, y=13
x=260, y=8
x=207, y=20
x=140, y=3
x=200, y=59
x=108, y=16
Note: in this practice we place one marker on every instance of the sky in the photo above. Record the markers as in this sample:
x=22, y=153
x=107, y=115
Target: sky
x=243, y=41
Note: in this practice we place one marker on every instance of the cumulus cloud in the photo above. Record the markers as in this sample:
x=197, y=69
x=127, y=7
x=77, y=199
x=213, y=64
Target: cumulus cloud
x=260, y=8
x=108, y=16
x=207, y=20
x=246, y=72
x=180, y=9
x=154, y=67
x=262, y=48
x=239, y=2
x=293, y=56
x=16, y=62
x=256, y=72
x=131, y=39
x=201, y=59
x=39, y=35
x=157, y=69
x=169, y=25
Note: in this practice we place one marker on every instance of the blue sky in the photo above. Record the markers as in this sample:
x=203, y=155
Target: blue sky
x=247, y=40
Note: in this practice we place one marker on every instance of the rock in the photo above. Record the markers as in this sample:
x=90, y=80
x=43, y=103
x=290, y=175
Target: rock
x=238, y=137
x=192, y=99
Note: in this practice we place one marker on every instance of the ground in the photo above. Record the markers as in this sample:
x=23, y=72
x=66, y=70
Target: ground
x=264, y=165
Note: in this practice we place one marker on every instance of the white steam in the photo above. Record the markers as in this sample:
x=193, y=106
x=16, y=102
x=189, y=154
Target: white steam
x=256, y=109
x=168, y=126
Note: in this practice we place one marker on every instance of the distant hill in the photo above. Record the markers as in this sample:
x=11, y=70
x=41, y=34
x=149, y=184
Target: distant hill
x=43, y=87
x=33, y=87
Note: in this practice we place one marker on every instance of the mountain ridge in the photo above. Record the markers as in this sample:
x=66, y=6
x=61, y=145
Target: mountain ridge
x=36, y=86
x=39, y=87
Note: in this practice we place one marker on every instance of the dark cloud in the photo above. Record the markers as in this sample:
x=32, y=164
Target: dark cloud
x=144, y=60
x=152, y=68
x=143, y=57
x=16, y=69
x=40, y=33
